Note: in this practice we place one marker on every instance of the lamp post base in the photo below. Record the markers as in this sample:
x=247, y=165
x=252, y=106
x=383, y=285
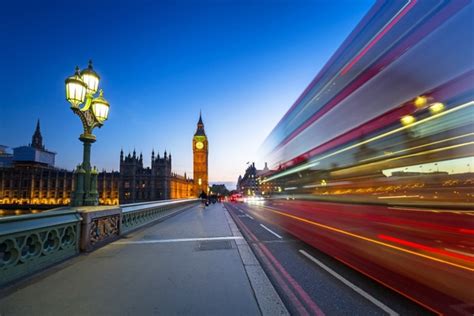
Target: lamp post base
x=85, y=191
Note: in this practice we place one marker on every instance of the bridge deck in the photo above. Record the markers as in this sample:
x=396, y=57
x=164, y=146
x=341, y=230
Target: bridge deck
x=163, y=269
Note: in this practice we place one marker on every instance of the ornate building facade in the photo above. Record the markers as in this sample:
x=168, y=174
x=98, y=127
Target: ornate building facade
x=200, y=159
x=29, y=178
x=252, y=183
x=138, y=184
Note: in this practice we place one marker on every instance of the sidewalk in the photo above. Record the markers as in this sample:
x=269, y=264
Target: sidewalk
x=190, y=264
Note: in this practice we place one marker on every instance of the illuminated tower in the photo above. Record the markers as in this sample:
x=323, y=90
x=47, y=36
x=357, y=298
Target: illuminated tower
x=200, y=159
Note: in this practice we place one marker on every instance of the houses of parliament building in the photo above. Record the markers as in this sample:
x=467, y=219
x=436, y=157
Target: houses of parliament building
x=28, y=176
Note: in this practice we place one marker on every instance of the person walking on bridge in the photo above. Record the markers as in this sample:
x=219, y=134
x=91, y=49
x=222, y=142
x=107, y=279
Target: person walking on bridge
x=203, y=197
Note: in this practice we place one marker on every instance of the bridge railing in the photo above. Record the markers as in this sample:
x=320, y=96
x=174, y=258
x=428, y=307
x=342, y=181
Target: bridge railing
x=137, y=215
x=29, y=243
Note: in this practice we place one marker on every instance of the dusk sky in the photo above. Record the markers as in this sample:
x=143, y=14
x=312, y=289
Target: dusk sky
x=242, y=63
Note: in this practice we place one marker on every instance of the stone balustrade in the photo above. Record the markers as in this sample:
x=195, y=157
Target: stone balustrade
x=137, y=215
x=29, y=243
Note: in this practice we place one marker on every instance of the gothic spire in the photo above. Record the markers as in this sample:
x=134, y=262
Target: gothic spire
x=200, y=127
x=37, y=139
x=200, y=119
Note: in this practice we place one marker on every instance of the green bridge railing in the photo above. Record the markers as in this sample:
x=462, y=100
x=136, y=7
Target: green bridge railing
x=29, y=243
x=137, y=215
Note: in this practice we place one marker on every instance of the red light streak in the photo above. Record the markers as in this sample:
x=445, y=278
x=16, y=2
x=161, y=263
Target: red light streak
x=426, y=248
x=467, y=231
x=378, y=37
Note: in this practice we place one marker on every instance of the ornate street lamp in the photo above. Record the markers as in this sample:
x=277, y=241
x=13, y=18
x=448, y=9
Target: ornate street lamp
x=80, y=89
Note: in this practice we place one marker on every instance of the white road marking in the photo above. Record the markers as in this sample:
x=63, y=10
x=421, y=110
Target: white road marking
x=271, y=231
x=245, y=214
x=158, y=241
x=349, y=284
x=460, y=252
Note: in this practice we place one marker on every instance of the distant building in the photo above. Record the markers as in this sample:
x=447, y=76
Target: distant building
x=28, y=177
x=219, y=189
x=108, y=184
x=34, y=152
x=33, y=184
x=181, y=187
x=158, y=182
x=200, y=159
x=252, y=181
x=6, y=158
x=138, y=184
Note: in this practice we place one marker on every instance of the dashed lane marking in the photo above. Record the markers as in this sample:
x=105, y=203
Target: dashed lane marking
x=245, y=214
x=271, y=231
x=349, y=284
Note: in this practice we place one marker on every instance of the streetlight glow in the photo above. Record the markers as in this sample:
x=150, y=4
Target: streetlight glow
x=80, y=88
x=90, y=78
x=75, y=89
x=100, y=107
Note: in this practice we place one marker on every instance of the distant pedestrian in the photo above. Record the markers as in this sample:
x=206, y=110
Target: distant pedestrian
x=203, y=197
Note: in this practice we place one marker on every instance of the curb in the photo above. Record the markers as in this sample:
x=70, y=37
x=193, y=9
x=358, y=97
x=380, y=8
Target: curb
x=267, y=297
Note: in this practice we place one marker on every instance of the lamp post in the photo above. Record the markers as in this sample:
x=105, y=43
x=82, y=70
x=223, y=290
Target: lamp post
x=80, y=89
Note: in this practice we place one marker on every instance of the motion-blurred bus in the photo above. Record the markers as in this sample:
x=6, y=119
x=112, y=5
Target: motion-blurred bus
x=378, y=153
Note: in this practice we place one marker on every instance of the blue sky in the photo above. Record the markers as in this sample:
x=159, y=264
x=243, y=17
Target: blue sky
x=243, y=63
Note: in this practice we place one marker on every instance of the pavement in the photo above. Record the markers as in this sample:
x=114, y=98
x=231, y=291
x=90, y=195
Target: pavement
x=194, y=263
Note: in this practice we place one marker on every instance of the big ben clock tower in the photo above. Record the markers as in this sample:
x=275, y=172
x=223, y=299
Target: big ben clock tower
x=200, y=158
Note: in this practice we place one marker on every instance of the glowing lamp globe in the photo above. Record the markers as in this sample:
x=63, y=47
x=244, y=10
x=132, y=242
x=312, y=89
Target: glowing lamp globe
x=75, y=89
x=100, y=107
x=90, y=78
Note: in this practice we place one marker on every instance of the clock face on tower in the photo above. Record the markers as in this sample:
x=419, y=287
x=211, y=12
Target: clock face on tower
x=199, y=145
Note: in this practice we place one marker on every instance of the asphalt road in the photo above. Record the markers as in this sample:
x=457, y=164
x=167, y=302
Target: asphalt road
x=311, y=282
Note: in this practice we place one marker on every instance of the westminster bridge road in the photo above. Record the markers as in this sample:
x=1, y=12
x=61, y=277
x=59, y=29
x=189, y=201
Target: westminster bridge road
x=175, y=257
